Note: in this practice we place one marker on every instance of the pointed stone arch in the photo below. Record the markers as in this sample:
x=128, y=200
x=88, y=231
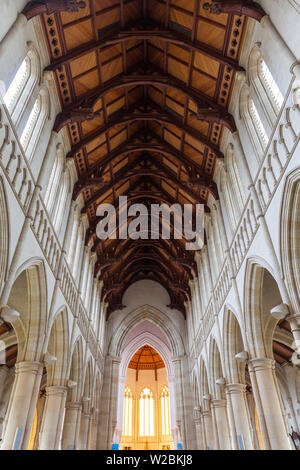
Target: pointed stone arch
x=151, y=314
x=233, y=344
x=260, y=327
x=289, y=237
x=58, y=346
x=28, y=296
x=4, y=235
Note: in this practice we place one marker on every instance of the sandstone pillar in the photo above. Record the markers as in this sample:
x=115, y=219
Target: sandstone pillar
x=22, y=404
x=198, y=426
x=222, y=437
x=53, y=416
x=240, y=418
x=84, y=433
x=268, y=403
x=208, y=430
x=71, y=426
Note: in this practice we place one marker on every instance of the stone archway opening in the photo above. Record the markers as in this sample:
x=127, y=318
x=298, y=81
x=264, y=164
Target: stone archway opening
x=146, y=403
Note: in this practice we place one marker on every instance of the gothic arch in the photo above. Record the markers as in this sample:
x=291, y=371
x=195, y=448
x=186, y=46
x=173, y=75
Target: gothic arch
x=259, y=324
x=204, y=386
x=232, y=344
x=289, y=236
x=28, y=296
x=4, y=235
x=76, y=370
x=58, y=346
x=153, y=315
x=215, y=369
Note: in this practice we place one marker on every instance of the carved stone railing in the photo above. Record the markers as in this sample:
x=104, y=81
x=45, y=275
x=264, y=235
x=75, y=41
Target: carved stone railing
x=281, y=147
x=68, y=286
x=208, y=318
x=19, y=176
x=279, y=151
x=244, y=233
x=223, y=285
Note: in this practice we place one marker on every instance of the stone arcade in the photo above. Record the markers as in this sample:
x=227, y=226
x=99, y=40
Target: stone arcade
x=142, y=344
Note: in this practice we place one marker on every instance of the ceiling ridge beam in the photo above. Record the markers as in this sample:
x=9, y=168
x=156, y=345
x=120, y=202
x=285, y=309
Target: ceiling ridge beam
x=123, y=174
x=82, y=110
x=164, y=118
x=157, y=32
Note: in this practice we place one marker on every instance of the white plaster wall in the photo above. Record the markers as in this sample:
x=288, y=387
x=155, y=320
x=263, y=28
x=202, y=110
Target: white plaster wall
x=141, y=293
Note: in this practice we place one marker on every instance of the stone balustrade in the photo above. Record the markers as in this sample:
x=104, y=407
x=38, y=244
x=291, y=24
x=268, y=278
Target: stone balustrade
x=280, y=149
x=19, y=176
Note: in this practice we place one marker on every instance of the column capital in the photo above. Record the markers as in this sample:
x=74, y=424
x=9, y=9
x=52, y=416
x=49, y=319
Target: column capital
x=218, y=403
x=206, y=413
x=73, y=405
x=32, y=367
x=294, y=317
x=263, y=363
x=56, y=390
x=235, y=388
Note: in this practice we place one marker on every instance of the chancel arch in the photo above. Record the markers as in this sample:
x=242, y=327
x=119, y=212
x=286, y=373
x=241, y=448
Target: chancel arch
x=27, y=308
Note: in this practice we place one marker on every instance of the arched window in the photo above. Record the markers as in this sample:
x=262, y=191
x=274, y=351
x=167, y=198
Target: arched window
x=232, y=189
x=35, y=123
x=146, y=413
x=165, y=411
x=262, y=83
x=255, y=128
x=128, y=407
x=22, y=85
x=57, y=190
x=259, y=127
x=77, y=250
x=53, y=184
x=270, y=85
x=60, y=203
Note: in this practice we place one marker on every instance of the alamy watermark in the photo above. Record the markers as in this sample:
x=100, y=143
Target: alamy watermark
x=140, y=223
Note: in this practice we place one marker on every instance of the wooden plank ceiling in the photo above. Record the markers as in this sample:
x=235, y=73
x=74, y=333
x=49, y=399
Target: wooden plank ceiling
x=144, y=88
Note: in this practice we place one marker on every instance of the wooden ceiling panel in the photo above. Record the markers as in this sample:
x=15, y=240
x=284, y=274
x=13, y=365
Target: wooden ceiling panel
x=209, y=66
x=78, y=34
x=157, y=11
x=67, y=18
x=204, y=83
x=135, y=80
x=86, y=82
x=112, y=69
x=181, y=19
x=107, y=20
x=221, y=19
x=211, y=34
x=90, y=126
x=83, y=64
x=178, y=69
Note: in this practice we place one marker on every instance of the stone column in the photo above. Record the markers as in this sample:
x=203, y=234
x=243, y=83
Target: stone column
x=53, y=416
x=71, y=425
x=222, y=437
x=84, y=432
x=208, y=430
x=198, y=426
x=295, y=328
x=108, y=405
x=22, y=403
x=240, y=418
x=94, y=429
x=269, y=405
x=4, y=375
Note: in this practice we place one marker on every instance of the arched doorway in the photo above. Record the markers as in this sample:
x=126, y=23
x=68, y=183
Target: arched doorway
x=146, y=403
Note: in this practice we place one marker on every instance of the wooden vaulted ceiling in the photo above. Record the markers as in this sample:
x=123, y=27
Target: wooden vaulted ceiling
x=146, y=358
x=144, y=88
